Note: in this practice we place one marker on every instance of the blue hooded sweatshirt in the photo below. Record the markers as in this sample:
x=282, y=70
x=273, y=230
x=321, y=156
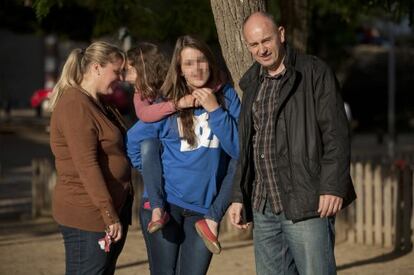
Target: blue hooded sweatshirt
x=192, y=175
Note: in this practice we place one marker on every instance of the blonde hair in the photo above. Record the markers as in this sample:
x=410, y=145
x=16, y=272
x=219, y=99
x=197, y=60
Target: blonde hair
x=77, y=65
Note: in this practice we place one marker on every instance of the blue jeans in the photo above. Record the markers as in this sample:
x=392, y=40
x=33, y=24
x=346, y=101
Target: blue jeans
x=83, y=254
x=176, y=249
x=152, y=171
x=284, y=247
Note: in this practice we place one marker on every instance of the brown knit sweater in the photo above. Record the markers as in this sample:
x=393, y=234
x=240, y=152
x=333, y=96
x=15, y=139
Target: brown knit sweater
x=92, y=167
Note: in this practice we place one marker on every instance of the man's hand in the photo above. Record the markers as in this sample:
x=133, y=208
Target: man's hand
x=235, y=215
x=329, y=205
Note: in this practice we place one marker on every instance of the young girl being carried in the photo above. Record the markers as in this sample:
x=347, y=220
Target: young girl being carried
x=146, y=69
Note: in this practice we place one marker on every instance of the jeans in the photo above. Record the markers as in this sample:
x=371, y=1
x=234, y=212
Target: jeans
x=152, y=171
x=176, y=249
x=284, y=247
x=83, y=253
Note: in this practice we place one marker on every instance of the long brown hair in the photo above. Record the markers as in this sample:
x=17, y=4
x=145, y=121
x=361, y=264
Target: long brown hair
x=175, y=85
x=151, y=65
x=78, y=63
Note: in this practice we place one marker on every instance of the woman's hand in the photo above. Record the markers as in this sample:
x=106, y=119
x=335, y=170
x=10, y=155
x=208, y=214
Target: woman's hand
x=187, y=101
x=115, y=231
x=206, y=98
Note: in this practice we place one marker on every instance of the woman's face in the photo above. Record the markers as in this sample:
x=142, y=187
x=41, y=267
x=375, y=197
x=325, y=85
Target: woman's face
x=194, y=67
x=109, y=75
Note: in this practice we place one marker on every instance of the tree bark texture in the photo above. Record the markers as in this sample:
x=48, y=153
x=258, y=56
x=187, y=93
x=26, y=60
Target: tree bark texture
x=295, y=18
x=229, y=16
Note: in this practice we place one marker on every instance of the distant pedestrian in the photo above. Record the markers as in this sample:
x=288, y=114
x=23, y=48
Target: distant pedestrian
x=93, y=195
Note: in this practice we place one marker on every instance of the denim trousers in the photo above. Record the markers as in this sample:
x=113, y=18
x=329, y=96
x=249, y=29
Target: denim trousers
x=176, y=249
x=284, y=247
x=83, y=253
x=152, y=171
x=153, y=180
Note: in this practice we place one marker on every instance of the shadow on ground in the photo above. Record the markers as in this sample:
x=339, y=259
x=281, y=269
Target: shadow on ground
x=391, y=256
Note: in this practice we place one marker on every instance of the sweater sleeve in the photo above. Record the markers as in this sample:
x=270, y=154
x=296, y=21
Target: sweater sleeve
x=152, y=112
x=79, y=128
x=223, y=122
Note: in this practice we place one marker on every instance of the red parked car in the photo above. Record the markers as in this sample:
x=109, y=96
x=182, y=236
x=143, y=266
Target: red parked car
x=121, y=98
x=40, y=101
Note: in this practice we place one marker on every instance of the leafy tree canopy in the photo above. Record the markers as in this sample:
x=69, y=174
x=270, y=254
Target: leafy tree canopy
x=145, y=19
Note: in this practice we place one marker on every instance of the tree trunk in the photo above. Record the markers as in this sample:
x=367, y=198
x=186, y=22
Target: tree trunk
x=295, y=18
x=229, y=16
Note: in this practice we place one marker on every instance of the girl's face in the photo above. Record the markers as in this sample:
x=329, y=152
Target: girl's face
x=131, y=74
x=194, y=67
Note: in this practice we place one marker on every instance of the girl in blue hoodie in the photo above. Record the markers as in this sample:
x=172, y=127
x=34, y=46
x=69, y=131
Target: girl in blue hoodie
x=200, y=146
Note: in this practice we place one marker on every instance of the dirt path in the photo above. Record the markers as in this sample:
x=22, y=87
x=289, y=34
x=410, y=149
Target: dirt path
x=36, y=248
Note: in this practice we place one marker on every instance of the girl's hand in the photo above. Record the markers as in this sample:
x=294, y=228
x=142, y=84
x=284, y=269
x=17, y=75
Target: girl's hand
x=187, y=101
x=206, y=98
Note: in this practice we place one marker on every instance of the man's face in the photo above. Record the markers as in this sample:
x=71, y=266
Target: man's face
x=264, y=42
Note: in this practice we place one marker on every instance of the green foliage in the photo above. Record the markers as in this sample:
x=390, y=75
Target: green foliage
x=166, y=19
x=42, y=7
x=353, y=10
x=145, y=19
x=335, y=24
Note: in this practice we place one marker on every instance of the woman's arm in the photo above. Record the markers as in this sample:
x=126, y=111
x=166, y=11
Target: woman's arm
x=148, y=112
x=153, y=112
x=223, y=122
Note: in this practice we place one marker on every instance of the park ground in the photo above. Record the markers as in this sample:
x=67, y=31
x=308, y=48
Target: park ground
x=35, y=247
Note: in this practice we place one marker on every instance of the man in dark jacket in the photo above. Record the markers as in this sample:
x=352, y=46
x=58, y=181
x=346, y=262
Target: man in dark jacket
x=293, y=174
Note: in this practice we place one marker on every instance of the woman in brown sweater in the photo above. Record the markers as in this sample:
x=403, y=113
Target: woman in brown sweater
x=93, y=195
